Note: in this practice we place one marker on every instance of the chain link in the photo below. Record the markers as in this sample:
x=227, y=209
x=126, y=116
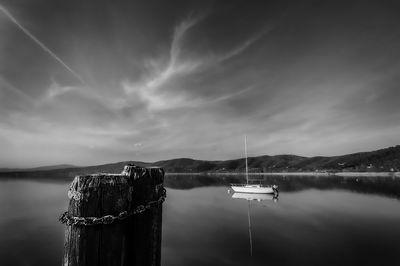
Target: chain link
x=65, y=218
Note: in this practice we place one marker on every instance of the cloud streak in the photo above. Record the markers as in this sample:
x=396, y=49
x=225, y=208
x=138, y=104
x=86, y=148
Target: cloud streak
x=41, y=44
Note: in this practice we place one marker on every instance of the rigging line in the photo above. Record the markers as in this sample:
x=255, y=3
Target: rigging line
x=251, y=241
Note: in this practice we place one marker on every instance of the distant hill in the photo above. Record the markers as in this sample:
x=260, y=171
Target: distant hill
x=44, y=168
x=383, y=160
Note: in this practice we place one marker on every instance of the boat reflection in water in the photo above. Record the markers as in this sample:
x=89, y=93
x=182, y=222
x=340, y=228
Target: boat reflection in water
x=253, y=197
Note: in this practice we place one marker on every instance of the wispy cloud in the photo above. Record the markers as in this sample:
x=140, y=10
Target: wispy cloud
x=55, y=90
x=178, y=38
x=153, y=89
x=5, y=85
x=148, y=90
x=241, y=48
x=231, y=95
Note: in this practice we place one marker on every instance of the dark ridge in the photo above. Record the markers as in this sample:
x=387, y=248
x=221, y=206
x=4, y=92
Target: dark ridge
x=383, y=160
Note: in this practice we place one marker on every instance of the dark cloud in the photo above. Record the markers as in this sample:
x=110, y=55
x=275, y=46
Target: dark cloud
x=150, y=80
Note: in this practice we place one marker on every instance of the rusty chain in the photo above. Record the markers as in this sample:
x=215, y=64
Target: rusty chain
x=65, y=218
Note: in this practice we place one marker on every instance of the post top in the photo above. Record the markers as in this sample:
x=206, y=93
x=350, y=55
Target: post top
x=136, y=172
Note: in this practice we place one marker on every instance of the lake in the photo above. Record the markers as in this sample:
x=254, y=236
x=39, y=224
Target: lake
x=314, y=221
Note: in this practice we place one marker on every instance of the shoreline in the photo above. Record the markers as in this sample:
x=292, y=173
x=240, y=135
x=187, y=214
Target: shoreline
x=344, y=174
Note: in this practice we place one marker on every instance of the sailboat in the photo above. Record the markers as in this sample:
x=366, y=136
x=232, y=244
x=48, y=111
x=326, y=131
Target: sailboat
x=253, y=188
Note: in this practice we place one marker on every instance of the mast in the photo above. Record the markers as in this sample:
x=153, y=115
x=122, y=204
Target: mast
x=245, y=151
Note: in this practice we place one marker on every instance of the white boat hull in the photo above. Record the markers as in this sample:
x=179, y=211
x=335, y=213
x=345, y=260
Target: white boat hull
x=253, y=189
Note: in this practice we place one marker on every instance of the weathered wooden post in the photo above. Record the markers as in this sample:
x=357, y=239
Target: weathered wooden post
x=115, y=219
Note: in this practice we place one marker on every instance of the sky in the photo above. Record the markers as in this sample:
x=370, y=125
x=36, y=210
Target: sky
x=90, y=82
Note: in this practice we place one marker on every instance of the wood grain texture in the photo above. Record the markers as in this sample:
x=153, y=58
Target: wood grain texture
x=133, y=241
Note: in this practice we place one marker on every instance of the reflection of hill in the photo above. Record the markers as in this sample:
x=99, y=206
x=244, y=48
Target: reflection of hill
x=189, y=182
x=388, y=186
x=372, y=185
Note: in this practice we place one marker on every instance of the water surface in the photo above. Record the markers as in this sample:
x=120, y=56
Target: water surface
x=315, y=221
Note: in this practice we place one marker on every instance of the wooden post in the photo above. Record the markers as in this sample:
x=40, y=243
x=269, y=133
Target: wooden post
x=127, y=214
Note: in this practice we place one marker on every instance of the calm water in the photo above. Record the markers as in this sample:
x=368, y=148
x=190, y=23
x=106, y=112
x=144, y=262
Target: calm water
x=315, y=221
